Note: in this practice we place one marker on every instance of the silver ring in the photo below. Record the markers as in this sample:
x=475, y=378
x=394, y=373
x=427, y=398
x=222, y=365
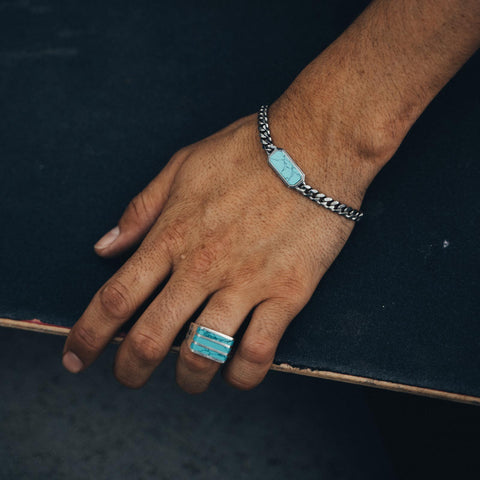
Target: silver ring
x=208, y=343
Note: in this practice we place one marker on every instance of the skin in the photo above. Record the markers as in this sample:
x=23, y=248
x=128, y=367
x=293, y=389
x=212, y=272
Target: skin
x=213, y=235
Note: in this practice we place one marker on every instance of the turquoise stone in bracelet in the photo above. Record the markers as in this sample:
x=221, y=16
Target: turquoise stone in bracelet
x=285, y=167
x=293, y=176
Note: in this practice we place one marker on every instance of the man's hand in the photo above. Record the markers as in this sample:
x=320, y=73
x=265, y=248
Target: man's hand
x=225, y=228
x=221, y=226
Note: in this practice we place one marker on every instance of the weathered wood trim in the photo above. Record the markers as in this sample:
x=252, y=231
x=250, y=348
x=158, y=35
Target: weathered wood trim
x=38, y=326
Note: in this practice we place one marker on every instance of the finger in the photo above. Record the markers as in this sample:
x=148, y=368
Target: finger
x=150, y=339
x=113, y=304
x=256, y=351
x=225, y=312
x=141, y=212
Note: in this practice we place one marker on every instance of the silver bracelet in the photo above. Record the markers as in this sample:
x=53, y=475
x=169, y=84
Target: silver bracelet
x=293, y=176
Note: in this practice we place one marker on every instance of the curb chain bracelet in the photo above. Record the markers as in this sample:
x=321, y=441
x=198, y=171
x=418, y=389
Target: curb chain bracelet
x=293, y=176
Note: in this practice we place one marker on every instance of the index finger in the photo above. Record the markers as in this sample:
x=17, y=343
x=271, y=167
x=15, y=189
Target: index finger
x=113, y=304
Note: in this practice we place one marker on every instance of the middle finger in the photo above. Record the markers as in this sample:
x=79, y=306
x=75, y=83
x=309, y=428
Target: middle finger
x=151, y=337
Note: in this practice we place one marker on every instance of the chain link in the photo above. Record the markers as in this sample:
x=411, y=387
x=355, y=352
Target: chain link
x=264, y=130
x=306, y=190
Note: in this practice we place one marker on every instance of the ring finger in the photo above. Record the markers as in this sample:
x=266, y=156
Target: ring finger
x=224, y=313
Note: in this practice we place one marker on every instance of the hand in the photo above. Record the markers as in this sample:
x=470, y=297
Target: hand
x=222, y=224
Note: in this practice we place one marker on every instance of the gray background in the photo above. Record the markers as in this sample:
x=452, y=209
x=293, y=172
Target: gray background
x=57, y=425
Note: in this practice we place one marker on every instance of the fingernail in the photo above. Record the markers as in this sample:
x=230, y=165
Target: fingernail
x=72, y=363
x=108, y=238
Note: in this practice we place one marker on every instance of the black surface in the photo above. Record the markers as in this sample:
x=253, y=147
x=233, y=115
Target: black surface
x=96, y=97
x=57, y=426
x=427, y=438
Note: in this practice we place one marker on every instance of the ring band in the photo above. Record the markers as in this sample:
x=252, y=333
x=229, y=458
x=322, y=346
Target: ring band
x=208, y=343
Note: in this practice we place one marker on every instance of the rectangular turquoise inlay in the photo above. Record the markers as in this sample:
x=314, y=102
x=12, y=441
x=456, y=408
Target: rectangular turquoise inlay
x=218, y=357
x=285, y=167
x=209, y=344
x=209, y=334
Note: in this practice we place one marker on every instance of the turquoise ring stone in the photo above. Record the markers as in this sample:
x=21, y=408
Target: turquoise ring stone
x=209, y=343
x=285, y=167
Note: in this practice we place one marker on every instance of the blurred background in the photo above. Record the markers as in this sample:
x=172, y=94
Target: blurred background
x=57, y=425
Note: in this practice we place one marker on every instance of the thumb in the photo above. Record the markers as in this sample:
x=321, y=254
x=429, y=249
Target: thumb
x=141, y=212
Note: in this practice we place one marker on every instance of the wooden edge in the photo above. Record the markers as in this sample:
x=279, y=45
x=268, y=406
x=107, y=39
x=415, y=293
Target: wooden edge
x=372, y=382
x=36, y=325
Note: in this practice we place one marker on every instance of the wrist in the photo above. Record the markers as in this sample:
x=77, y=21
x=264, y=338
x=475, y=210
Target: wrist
x=353, y=105
x=337, y=157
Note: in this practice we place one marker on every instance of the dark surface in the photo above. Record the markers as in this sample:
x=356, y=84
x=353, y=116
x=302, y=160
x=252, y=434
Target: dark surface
x=95, y=97
x=427, y=439
x=54, y=425
x=59, y=426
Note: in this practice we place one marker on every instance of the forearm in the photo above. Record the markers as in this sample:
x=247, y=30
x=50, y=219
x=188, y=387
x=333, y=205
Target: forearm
x=369, y=86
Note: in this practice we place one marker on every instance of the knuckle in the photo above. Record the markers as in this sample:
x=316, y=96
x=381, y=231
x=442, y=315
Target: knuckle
x=257, y=352
x=87, y=337
x=203, y=259
x=146, y=348
x=292, y=289
x=248, y=273
x=115, y=300
x=172, y=240
x=237, y=380
x=207, y=257
x=140, y=207
x=195, y=363
x=291, y=284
